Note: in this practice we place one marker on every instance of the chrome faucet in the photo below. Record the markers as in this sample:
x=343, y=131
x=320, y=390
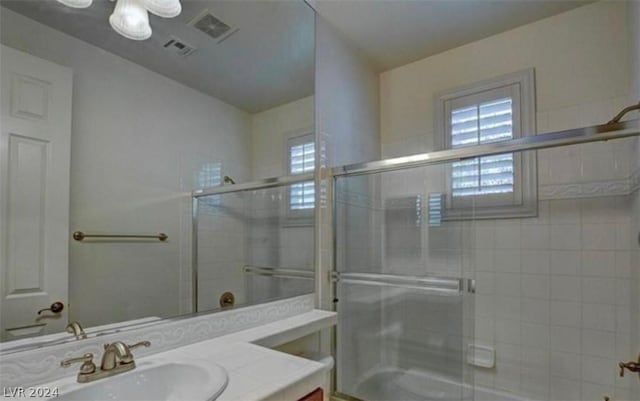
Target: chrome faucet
x=75, y=328
x=117, y=358
x=118, y=354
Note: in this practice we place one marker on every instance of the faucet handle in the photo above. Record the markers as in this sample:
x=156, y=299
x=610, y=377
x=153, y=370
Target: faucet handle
x=139, y=344
x=132, y=346
x=128, y=357
x=87, y=367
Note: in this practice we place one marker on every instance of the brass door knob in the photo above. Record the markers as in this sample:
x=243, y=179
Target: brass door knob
x=55, y=308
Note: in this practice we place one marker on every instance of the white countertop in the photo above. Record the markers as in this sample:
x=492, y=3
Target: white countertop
x=255, y=373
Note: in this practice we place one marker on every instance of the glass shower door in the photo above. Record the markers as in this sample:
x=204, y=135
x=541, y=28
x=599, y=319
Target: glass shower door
x=403, y=299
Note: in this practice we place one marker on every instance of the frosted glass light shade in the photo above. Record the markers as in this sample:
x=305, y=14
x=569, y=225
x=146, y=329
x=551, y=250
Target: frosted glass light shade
x=131, y=20
x=76, y=3
x=163, y=8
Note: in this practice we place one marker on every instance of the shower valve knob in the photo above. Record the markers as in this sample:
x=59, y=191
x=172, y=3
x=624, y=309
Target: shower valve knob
x=631, y=366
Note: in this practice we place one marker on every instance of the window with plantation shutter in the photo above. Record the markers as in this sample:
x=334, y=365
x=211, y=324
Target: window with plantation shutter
x=209, y=176
x=500, y=185
x=479, y=124
x=301, y=160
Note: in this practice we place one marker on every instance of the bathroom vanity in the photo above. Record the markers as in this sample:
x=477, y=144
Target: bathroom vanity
x=223, y=356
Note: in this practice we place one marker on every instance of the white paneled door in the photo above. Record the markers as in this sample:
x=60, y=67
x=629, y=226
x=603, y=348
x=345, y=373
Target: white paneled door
x=35, y=136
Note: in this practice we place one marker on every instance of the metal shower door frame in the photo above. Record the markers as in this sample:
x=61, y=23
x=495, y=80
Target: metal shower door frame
x=614, y=129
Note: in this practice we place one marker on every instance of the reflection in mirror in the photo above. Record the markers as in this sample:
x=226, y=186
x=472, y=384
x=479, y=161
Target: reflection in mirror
x=105, y=135
x=253, y=247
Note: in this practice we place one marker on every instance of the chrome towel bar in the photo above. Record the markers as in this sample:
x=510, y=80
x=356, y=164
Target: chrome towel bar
x=439, y=285
x=279, y=273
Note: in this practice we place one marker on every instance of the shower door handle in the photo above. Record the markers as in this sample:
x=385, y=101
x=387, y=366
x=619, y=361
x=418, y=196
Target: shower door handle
x=471, y=286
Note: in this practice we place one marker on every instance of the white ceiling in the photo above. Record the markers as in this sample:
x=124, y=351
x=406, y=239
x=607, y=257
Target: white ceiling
x=392, y=33
x=269, y=61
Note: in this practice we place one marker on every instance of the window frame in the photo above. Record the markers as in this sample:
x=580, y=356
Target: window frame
x=523, y=202
x=209, y=203
x=298, y=216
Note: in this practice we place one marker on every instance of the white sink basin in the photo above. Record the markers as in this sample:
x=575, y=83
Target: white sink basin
x=153, y=380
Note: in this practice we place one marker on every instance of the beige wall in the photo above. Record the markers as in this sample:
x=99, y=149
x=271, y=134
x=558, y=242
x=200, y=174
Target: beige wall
x=138, y=140
x=582, y=74
x=347, y=93
x=270, y=130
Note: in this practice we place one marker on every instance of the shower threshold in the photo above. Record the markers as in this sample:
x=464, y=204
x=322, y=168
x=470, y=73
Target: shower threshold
x=395, y=384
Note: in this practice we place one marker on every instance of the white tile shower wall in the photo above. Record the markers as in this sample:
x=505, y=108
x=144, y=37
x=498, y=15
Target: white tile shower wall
x=152, y=135
x=557, y=310
x=222, y=247
x=277, y=241
x=551, y=290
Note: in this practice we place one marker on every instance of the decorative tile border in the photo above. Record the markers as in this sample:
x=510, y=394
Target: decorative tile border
x=591, y=189
x=625, y=186
x=42, y=365
x=584, y=190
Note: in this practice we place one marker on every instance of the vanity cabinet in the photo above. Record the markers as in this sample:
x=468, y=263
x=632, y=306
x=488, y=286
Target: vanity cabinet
x=315, y=395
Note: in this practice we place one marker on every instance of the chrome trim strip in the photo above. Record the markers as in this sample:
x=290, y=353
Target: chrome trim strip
x=279, y=273
x=194, y=255
x=333, y=286
x=250, y=186
x=446, y=285
x=562, y=138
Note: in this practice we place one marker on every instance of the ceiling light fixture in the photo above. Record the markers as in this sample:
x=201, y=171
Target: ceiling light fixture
x=130, y=18
x=163, y=8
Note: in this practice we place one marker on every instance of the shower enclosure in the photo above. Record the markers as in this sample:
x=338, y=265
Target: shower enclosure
x=248, y=246
x=439, y=300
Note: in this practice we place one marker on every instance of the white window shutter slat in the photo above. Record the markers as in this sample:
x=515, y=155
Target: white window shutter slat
x=302, y=160
x=476, y=124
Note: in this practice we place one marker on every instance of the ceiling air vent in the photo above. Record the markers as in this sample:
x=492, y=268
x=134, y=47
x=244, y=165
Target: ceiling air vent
x=211, y=25
x=178, y=47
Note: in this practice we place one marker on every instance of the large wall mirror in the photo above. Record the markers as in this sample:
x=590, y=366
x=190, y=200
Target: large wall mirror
x=107, y=135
